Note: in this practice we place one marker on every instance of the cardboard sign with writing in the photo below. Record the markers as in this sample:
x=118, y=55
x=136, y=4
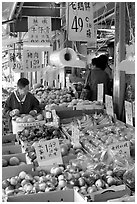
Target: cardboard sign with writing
x=48, y=152
x=129, y=115
x=100, y=92
x=55, y=117
x=39, y=29
x=75, y=134
x=109, y=105
x=80, y=18
x=121, y=149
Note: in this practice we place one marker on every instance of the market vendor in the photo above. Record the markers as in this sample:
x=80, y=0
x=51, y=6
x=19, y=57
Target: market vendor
x=21, y=101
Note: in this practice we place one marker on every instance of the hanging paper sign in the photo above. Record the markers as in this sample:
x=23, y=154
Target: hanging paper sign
x=32, y=60
x=109, y=105
x=75, y=134
x=133, y=109
x=48, y=152
x=121, y=149
x=39, y=29
x=16, y=61
x=100, y=92
x=129, y=115
x=80, y=25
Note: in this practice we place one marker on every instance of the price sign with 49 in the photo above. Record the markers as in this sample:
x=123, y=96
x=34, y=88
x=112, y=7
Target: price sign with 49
x=81, y=22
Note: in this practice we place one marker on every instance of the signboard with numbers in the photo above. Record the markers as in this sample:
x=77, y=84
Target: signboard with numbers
x=109, y=105
x=32, y=60
x=48, y=152
x=121, y=149
x=128, y=111
x=16, y=60
x=80, y=26
x=75, y=134
x=100, y=92
x=39, y=29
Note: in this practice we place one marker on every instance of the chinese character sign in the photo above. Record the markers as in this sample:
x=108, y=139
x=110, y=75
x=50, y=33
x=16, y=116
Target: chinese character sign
x=109, y=105
x=39, y=29
x=15, y=61
x=48, y=152
x=121, y=149
x=32, y=60
x=80, y=26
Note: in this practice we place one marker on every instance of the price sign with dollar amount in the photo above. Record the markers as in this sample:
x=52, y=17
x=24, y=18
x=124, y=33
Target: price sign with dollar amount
x=48, y=152
x=80, y=21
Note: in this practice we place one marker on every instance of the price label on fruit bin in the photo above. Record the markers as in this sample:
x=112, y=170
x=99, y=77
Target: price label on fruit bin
x=109, y=105
x=121, y=149
x=128, y=111
x=48, y=152
x=100, y=92
x=75, y=134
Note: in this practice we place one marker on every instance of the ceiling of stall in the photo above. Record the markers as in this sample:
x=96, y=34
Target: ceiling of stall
x=16, y=14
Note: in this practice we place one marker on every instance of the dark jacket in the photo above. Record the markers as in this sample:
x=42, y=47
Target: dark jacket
x=30, y=103
x=95, y=77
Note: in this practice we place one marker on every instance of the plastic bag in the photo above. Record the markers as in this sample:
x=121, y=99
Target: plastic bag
x=129, y=177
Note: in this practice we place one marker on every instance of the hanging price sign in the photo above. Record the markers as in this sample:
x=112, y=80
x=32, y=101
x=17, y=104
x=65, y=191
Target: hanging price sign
x=100, y=92
x=80, y=18
x=75, y=134
x=109, y=105
x=16, y=61
x=129, y=115
x=39, y=29
x=48, y=152
x=121, y=149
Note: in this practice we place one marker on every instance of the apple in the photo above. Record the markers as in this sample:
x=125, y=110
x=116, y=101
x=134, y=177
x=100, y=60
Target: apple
x=77, y=175
x=22, y=174
x=28, y=187
x=99, y=183
x=62, y=183
x=31, y=120
x=36, y=178
x=40, y=117
x=81, y=181
x=13, y=181
x=83, y=190
x=29, y=177
x=42, y=186
x=14, y=161
x=111, y=181
x=42, y=179
x=56, y=171
x=21, y=163
x=64, y=149
x=4, y=162
x=68, y=176
x=61, y=177
x=5, y=184
x=24, y=182
x=91, y=189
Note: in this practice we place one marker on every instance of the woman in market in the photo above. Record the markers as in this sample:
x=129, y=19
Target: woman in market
x=97, y=75
x=21, y=101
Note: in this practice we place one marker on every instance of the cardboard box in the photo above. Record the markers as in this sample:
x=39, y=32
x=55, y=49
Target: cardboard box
x=110, y=193
x=123, y=199
x=52, y=196
x=8, y=139
x=11, y=149
x=10, y=171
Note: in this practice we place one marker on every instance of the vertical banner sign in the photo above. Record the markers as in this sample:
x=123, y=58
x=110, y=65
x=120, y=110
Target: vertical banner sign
x=100, y=92
x=129, y=115
x=16, y=61
x=80, y=21
x=39, y=29
x=109, y=105
x=48, y=152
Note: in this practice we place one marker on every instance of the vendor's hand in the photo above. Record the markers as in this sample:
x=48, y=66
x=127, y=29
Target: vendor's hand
x=33, y=112
x=14, y=112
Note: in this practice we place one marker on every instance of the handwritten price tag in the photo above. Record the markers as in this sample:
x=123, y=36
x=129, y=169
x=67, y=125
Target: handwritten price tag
x=55, y=117
x=129, y=115
x=75, y=134
x=100, y=92
x=121, y=149
x=48, y=152
x=109, y=105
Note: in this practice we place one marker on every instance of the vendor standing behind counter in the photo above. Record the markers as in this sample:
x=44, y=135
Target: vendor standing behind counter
x=21, y=101
x=97, y=75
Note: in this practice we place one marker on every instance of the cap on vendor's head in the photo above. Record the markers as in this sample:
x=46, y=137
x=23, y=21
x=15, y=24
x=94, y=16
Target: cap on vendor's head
x=22, y=82
x=100, y=61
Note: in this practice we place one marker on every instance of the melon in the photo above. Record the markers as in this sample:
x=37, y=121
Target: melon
x=14, y=161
